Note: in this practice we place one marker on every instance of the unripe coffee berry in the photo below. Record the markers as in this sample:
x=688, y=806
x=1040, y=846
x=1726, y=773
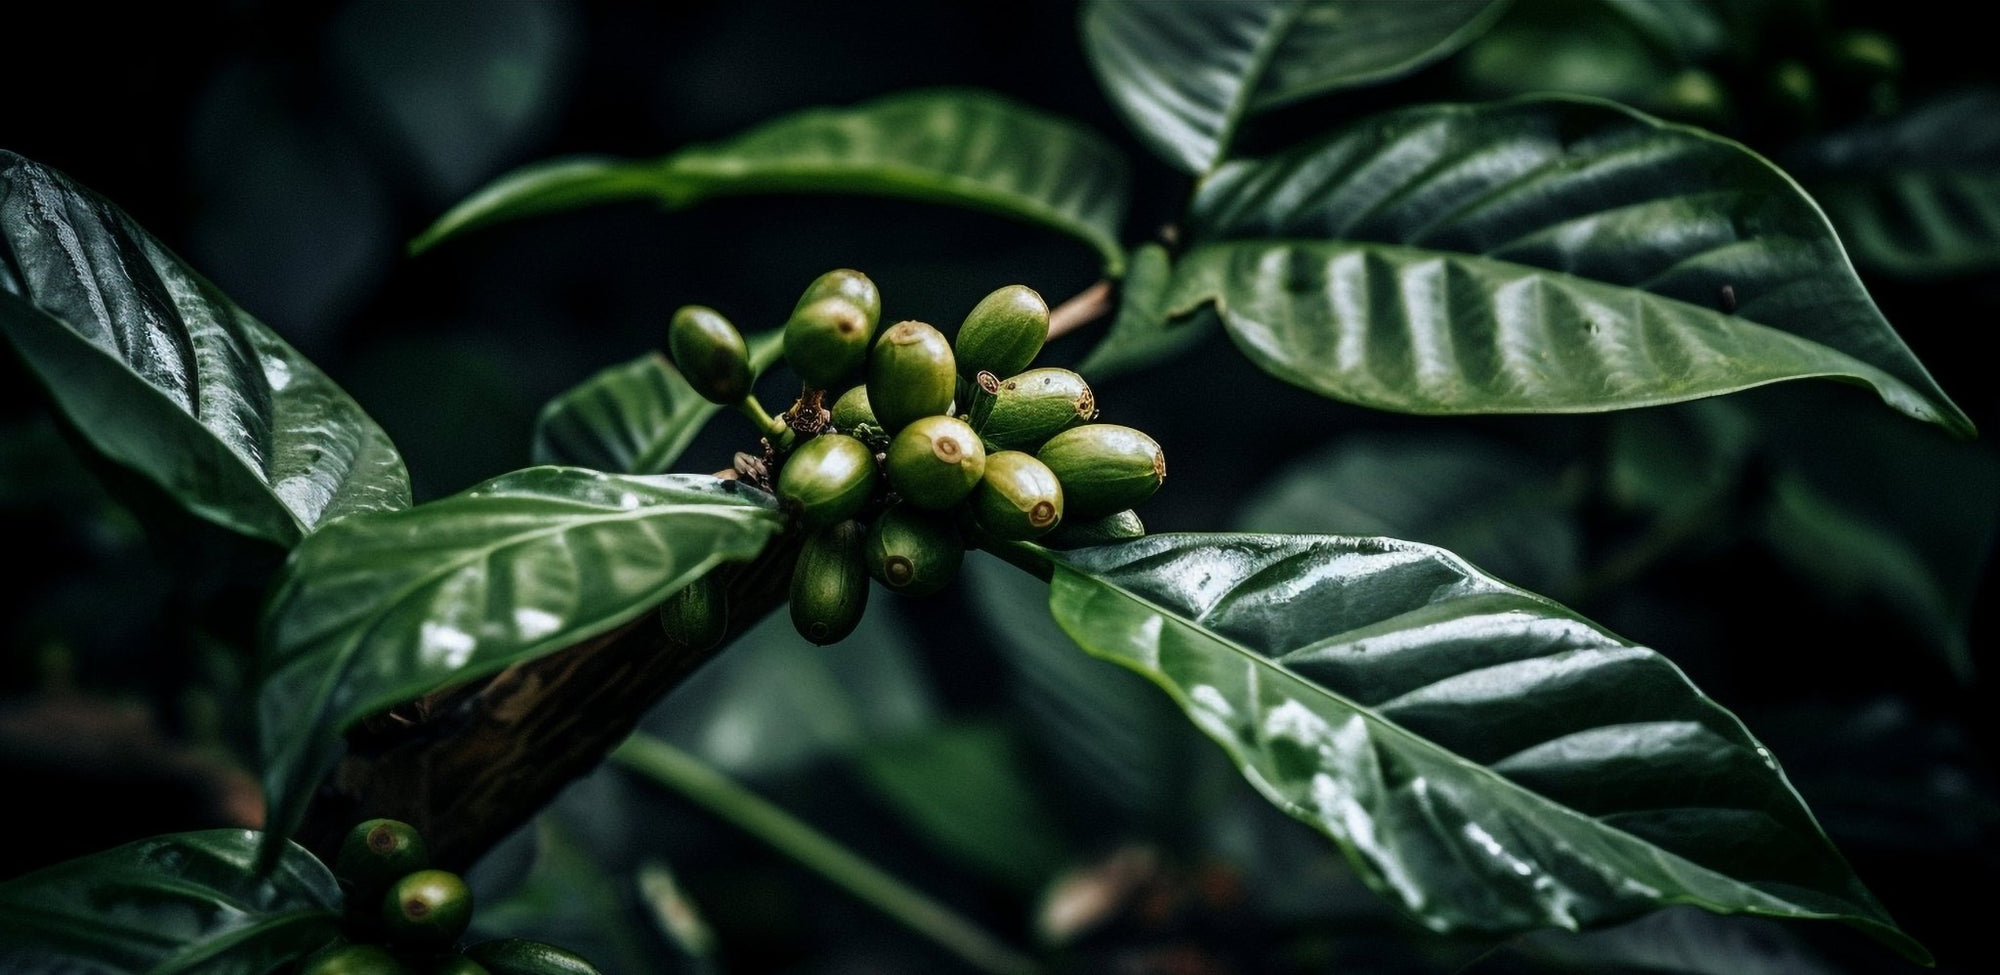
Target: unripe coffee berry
x=696, y=616
x=830, y=583
x=914, y=552
x=710, y=354
x=377, y=853
x=1104, y=468
x=1019, y=498
x=1118, y=527
x=458, y=965
x=831, y=327
x=910, y=375
x=852, y=410
x=827, y=479
x=1004, y=333
x=519, y=956
x=935, y=462
x=427, y=909
x=352, y=960
x=1031, y=407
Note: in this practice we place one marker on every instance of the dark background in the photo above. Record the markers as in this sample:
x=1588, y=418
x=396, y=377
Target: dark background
x=289, y=150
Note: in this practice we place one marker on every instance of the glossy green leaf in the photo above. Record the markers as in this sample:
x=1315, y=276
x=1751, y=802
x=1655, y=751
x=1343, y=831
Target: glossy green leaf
x=377, y=610
x=192, y=903
x=1187, y=74
x=1486, y=758
x=966, y=789
x=963, y=147
x=162, y=374
x=633, y=418
x=1917, y=194
x=1544, y=255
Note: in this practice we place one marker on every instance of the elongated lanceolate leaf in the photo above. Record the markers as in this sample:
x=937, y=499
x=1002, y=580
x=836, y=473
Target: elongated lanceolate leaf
x=1917, y=194
x=192, y=903
x=380, y=609
x=633, y=418
x=963, y=147
x=162, y=374
x=1545, y=255
x=1186, y=74
x=1487, y=759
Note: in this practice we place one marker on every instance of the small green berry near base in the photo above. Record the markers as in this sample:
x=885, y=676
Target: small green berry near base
x=427, y=909
x=377, y=853
x=353, y=960
x=830, y=584
x=852, y=410
x=914, y=552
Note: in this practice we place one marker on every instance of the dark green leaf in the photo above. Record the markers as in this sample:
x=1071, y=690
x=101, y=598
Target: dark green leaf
x=1622, y=51
x=189, y=903
x=377, y=610
x=634, y=418
x=966, y=789
x=162, y=374
x=1143, y=334
x=963, y=147
x=1917, y=194
x=1187, y=74
x=1489, y=760
x=1543, y=255
x=1507, y=512
x=1681, y=940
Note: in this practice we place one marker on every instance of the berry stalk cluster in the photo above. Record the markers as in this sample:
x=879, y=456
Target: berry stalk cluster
x=933, y=450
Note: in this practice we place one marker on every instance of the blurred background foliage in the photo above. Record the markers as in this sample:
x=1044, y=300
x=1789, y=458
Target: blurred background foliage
x=1818, y=564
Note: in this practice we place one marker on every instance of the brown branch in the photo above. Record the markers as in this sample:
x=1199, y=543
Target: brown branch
x=468, y=765
x=1081, y=309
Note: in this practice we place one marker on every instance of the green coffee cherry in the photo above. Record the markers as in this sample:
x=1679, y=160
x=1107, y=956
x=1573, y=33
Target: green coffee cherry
x=851, y=410
x=710, y=353
x=376, y=854
x=458, y=965
x=427, y=909
x=352, y=960
x=828, y=335
x=935, y=462
x=519, y=956
x=1030, y=408
x=1004, y=332
x=696, y=617
x=910, y=375
x=1104, y=468
x=1123, y=526
x=914, y=552
x=830, y=583
x=850, y=285
x=828, y=479
x=1018, y=498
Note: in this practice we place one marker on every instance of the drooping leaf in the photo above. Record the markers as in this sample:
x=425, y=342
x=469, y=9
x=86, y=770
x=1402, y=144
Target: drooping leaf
x=1543, y=255
x=633, y=418
x=1916, y=194
x=1511, y=513
x=1187, y=74
x=963, y=147
x=965, y=788
x=1487, y=759
x=162, y=374
x=381, y=609
x=191, y=903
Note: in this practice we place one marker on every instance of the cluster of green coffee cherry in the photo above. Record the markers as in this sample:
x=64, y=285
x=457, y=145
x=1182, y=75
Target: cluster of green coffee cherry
x=944, y=442
x=404, y=918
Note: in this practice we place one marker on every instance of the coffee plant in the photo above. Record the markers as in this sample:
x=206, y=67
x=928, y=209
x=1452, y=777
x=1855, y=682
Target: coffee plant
x=1455, y=315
